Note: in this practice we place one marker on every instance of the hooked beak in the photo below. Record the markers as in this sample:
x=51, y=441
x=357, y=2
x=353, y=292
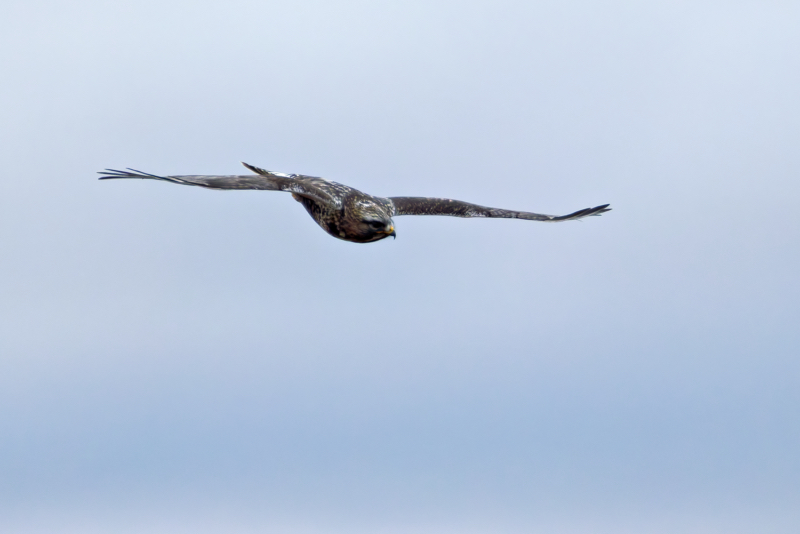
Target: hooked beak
x=390, y=231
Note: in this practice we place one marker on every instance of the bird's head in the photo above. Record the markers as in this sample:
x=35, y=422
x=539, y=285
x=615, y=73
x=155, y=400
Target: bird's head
x=368, y=221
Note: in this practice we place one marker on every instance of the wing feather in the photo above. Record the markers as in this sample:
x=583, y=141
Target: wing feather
x=306, y=186
x=457, y=208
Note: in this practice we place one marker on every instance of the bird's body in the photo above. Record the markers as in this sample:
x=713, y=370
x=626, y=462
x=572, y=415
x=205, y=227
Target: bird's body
x=344, y=212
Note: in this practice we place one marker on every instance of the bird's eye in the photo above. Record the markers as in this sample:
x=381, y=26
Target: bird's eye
x=376, y=224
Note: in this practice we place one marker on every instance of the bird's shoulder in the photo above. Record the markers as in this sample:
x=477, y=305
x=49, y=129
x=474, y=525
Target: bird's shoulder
x=333, y=192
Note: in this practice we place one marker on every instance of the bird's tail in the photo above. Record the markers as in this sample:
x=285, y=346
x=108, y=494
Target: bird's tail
x=264, y=172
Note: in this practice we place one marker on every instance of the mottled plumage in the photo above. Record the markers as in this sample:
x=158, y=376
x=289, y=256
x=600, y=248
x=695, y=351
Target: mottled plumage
x=345, y=212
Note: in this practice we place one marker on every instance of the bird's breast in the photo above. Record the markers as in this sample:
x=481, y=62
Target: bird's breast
x=329, y=219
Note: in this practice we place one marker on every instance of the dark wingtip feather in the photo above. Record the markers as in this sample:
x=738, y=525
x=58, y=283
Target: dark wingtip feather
x=129, y=173
x=587, y=212
x=144, y=174
x=599, y=210
x=108, y=174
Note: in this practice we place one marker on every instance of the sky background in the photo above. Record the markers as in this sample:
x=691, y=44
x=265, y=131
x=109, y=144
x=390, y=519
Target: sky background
x=180, y=360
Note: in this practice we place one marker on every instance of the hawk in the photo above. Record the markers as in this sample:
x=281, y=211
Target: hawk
x=344, y=212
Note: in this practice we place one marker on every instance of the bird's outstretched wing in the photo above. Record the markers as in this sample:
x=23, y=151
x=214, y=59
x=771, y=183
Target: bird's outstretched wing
x=264, y=180
x=457, y=208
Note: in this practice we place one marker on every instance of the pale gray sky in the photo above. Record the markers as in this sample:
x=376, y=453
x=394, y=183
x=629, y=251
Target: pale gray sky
x=182, y=360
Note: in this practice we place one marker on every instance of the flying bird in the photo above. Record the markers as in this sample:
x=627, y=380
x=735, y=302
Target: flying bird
x=344, y=212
